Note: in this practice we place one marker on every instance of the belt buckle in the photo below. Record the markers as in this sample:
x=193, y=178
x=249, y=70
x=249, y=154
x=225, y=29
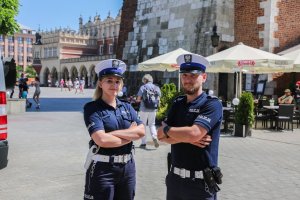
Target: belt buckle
x=123, y=159
x=182, y=173
x=199, y=174
x=116, y=159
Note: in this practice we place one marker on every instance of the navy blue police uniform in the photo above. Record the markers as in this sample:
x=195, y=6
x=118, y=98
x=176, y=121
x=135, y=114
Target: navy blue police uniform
x=111, y=175
x=185, y=178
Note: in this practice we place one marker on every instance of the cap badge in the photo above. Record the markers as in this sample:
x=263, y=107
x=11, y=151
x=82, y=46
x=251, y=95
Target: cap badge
x=187, y=58
x=115, y=63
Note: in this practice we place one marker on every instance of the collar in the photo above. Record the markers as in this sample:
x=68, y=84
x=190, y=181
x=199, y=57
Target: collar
x=197, y=100
x=118, y=103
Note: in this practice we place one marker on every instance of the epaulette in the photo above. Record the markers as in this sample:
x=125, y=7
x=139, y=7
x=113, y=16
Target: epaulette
x=212, y=97
x=91, y=103
x=179, y=98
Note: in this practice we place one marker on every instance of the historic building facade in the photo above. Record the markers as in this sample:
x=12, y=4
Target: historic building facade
x=64, y=53
x=18, y=46
x=160, y=26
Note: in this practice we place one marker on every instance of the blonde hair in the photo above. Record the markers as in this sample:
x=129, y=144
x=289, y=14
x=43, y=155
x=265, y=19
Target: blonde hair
x=98, y=92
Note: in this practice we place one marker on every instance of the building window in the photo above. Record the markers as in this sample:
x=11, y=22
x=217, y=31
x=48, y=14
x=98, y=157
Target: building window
x=36, y=54
x=54, y=52
x=29, y=40
x=10, y=49
x=45, y=52
x=1, y=38
x=20, y=40
x=20, y=49
x=10, y=39
x=101, y=50
x=111, y=49
x=2, y=49
x=29, y=49
x=29, y=59
x=20, y=58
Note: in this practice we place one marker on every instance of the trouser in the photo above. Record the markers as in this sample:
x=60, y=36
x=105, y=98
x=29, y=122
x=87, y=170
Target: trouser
x=110, y=181
x=187, y=189
x=149, y=117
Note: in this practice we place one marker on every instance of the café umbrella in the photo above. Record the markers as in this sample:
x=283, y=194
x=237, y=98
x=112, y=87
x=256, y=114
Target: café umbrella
x=164, y=62
x=295, y=56
x=245, y=59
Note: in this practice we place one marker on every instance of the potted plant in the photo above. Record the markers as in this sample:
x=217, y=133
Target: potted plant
x=244, y=115
x=168, y=94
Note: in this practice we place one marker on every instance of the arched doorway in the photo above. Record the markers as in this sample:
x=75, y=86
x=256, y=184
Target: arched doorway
x=94, y=78
x=65, y=73
x=74, y=73
x=83, y=75
x=54, y=76
x=47, y=76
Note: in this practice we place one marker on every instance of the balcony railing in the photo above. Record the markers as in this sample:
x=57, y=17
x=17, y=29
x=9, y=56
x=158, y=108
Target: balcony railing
x=88, y=58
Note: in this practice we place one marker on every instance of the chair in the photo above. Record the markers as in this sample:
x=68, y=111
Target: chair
x=297, y=117
x=285, y=114
x=263, y=115
x=228, y=121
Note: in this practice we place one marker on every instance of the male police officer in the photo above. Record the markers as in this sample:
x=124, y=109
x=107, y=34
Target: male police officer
x=190, y=120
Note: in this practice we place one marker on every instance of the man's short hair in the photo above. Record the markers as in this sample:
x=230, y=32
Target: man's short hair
x=147, y=78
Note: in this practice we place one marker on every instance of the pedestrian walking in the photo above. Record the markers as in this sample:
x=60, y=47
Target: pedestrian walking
x=69, y=84
x=20, y=81
x=61, y=84
x=76, y=85
x=193, y=120
x=24, y=91
x=112, y=125
x=81, y=85
x=37, y=92
x=148, y=97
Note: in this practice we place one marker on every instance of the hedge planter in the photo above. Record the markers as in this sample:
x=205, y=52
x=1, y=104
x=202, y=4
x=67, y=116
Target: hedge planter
x=242, y=130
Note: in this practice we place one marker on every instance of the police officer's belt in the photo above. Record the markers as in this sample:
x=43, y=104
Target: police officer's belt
x=184, y=173
x=112, y=159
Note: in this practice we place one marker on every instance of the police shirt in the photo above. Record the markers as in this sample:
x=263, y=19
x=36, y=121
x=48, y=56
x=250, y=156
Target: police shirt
x=98, y=115
x=205, y=111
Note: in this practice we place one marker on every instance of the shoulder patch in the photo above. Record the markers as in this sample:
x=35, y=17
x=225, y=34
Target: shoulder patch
x=89, y=104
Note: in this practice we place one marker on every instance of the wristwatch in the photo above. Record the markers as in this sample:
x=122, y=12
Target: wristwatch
x=166, y=130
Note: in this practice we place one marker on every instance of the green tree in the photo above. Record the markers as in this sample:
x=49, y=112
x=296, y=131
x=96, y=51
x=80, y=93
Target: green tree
x=30, y=72
x=8, y=10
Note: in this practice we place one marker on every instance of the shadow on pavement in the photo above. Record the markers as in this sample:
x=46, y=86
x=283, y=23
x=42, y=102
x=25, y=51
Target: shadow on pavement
x=59, y=105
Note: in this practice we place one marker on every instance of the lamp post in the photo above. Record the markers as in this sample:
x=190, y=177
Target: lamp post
x=215, y=38
x=215, y=43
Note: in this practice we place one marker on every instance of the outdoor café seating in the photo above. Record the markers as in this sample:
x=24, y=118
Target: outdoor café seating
x=285, y=116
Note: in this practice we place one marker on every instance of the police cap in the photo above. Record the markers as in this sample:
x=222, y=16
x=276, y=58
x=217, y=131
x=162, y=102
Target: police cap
x=192, y=63
x=110, y=67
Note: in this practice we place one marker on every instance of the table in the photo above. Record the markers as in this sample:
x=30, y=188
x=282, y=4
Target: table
x=272, y=107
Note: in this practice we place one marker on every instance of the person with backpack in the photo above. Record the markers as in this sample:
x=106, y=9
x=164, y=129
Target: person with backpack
x=148, y=96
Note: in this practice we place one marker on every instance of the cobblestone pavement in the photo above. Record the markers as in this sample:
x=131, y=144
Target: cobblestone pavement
x=46, y=158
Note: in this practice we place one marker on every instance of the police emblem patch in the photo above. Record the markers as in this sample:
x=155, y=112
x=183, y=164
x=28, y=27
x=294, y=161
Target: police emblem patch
x=187, y=58
x=115, y=63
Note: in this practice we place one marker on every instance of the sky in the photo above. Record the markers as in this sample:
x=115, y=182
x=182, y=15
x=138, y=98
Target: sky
x=51, y=14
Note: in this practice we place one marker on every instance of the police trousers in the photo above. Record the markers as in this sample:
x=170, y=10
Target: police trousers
x=110, y=181
x=187, y=188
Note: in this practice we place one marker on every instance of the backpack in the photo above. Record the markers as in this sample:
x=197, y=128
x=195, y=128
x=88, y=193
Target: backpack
x=150, y=98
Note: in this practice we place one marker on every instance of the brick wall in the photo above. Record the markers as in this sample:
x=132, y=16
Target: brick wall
x=288, y=35
x=126, y=26
x=246, y=28
x=288, y=24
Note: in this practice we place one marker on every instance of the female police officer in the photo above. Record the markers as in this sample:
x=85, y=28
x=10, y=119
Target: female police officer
x=112, y=125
